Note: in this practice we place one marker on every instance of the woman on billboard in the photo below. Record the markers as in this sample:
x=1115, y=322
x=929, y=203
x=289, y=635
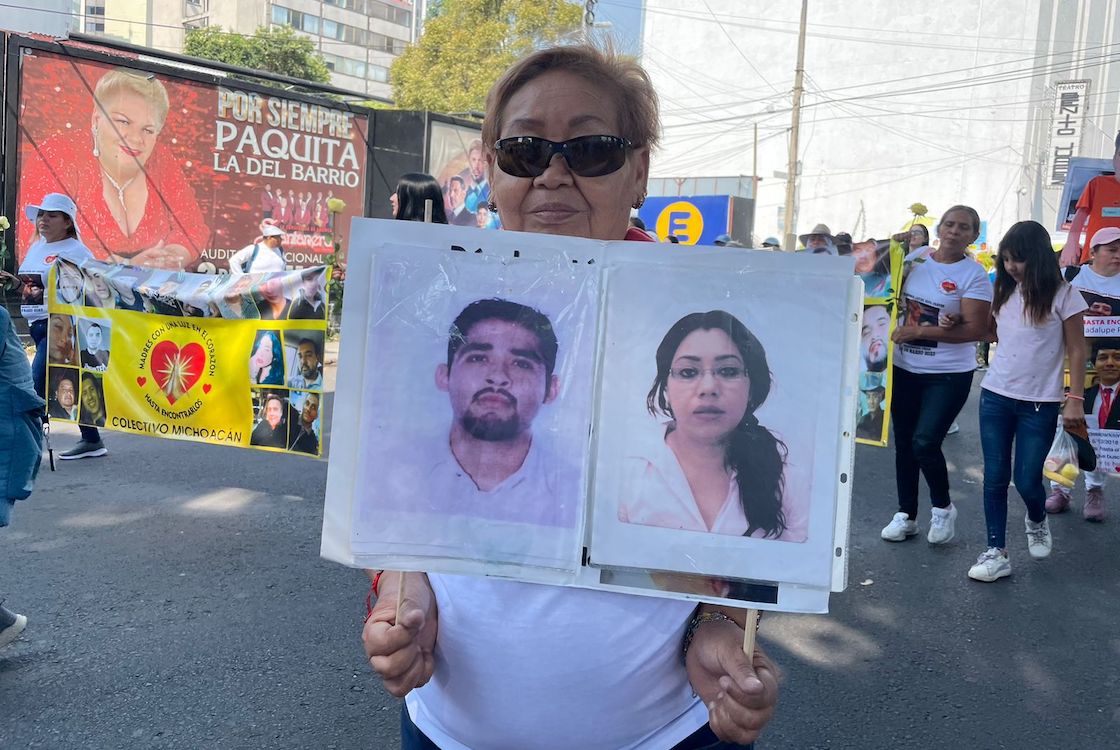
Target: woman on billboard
x=137, y=206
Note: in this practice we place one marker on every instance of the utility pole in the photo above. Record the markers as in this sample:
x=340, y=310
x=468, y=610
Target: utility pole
x=790, y=243
x=754, y=169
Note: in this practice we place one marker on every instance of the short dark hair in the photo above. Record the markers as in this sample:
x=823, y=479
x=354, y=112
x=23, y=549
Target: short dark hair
x=458, y=179
x=636, y=221
x=1100, y=345
x=531, y=320
x=91, y=326
x=314, y=345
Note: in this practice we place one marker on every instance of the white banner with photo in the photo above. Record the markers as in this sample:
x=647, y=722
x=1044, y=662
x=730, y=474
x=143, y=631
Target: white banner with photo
x=501, y=409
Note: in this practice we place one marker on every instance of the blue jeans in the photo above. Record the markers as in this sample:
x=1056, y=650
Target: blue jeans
x=38, y=330
x=923, y=406
x=1030, y=426
x=702, y=739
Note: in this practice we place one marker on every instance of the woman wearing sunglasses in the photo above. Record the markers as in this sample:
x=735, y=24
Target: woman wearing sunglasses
x=568, y=133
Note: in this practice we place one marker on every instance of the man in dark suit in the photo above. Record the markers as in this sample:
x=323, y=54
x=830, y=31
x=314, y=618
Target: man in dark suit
x=457, y=197
x=1101, y=412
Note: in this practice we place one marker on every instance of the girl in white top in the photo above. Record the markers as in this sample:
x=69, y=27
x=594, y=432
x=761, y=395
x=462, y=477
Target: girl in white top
x=933, y=366
x=1037, y=319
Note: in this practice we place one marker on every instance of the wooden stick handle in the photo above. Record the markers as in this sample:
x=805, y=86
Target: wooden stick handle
x=750, y=627
x=400, y=595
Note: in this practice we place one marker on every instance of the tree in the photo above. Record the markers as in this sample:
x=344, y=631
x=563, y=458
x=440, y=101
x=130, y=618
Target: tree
x=276, y=49
x=467, y=45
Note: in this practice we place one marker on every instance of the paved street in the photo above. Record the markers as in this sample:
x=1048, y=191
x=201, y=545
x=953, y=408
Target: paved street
x=177, y=600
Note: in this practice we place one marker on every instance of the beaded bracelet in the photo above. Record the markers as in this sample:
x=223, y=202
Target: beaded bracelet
x=702, y=617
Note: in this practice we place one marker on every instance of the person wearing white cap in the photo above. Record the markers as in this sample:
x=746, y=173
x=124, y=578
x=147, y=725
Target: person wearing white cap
x=265, y=255
x=55, y=220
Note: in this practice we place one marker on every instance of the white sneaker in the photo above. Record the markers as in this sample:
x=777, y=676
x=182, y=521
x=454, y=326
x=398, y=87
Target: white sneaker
x=1039, y=541
x=10, y=633
x=942, y=525
x=899, y=528
x=990, y=566
x=953, y=429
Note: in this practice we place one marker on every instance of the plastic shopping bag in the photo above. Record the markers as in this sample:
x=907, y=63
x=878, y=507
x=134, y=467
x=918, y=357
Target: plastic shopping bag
x=1061, y=461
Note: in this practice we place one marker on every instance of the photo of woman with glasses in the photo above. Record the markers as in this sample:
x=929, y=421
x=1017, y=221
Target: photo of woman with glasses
x=716, y=468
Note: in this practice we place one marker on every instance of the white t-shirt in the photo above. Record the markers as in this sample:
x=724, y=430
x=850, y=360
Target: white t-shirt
x=520, y=665
x=35, y=267
x=1028, y=361
x=268, y=260
x=1090, y=280
x=932, y=289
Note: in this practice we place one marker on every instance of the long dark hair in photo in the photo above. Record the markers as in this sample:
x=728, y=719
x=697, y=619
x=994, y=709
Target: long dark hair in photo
x=1028, y=242
x=413, y=188
x=754, y=453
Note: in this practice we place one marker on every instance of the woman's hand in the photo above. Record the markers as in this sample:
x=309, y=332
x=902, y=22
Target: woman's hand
x=1073, y=416
x=902, y=334
x=949, y=320
x=740, y=696
x=401, y=651
x=9, y=281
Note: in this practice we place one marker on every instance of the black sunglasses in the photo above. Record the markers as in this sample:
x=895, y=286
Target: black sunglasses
x=587, y=156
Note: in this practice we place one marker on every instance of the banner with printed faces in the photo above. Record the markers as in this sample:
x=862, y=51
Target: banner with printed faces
x=230, y=360
x=173, y=173
x=879, y=266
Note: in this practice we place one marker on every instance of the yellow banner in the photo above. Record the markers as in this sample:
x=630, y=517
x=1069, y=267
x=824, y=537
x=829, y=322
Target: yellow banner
x=231, y=360
x=882, y=283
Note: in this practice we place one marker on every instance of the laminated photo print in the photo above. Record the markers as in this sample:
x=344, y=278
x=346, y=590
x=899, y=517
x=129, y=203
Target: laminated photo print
x=476, y=405
x=717, y=460
x=876, y=353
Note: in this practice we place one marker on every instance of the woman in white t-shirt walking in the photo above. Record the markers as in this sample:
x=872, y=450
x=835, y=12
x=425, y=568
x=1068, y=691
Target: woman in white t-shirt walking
x=55, y=220
x=1038, y=320
x=933, y=366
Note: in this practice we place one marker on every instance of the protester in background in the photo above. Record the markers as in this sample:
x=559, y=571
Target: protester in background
x=21, y=443
x=637, y=223
x=914, y=238
x=137, y=207
x=1101, y=276
x=57, y=231
x=413, y=190
x=819, y=241
x=1102, y=411
x=1097, y=209
x=568, y=133
x=1037, y=319
x=843, y=242
x=265, y=255
x=722, y=240
x=933, y=367
x=771, y=243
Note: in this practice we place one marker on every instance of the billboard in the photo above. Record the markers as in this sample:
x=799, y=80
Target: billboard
x=456, y=160
x=172, y=172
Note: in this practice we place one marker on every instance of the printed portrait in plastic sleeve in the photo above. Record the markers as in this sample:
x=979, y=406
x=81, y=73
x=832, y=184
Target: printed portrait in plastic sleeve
x=476, y=408
x=716, y=462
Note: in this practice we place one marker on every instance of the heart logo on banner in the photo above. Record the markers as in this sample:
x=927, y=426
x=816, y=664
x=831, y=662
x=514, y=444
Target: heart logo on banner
x=177, y=370
x=206, y=387
x=141, y=380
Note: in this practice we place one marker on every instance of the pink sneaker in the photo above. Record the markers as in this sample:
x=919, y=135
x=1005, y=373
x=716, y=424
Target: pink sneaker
x=1058, y=502
x=1094, y=505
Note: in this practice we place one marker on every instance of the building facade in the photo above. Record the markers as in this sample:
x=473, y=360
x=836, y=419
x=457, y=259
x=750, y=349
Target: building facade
x=359, y=39
x=904, y=102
